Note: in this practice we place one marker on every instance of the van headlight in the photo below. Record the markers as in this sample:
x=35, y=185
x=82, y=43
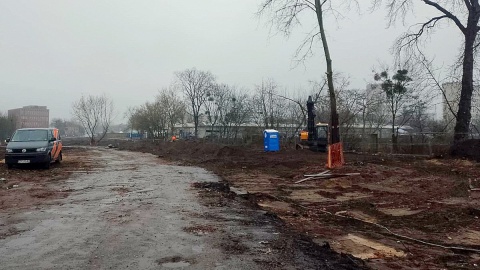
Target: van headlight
x=42, y=149
x=9, y=150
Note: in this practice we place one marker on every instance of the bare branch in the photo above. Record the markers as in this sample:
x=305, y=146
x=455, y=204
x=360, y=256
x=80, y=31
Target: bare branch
x=447, y=13
x=409, y=39
x=426, y=65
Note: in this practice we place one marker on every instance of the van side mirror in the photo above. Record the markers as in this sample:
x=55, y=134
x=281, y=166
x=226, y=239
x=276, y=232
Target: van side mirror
x=53, y=139
x=7, y=140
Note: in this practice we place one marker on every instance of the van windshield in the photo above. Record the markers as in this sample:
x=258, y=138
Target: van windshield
x=30, y=135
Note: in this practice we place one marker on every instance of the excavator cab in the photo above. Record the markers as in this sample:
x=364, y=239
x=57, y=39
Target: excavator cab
x=322, y=138
x=318, y=142
x=322, y=131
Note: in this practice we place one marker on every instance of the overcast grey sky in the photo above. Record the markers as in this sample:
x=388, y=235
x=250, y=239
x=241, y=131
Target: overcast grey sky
x=52, y=52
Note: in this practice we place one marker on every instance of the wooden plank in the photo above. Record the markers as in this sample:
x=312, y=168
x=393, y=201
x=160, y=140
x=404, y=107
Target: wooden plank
x=325, y=176
x=322, y=173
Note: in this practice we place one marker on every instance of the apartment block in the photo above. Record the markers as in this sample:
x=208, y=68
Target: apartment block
x=30, y=117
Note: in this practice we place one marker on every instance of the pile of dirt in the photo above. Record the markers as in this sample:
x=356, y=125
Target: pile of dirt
x=228, y=151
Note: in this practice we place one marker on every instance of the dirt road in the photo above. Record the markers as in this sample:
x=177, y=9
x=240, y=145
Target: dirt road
x=135, y=211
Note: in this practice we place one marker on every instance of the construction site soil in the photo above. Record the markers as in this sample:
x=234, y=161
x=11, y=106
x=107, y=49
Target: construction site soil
x=397, y=212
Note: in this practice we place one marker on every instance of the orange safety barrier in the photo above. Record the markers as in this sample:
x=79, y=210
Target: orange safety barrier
x=335, y=155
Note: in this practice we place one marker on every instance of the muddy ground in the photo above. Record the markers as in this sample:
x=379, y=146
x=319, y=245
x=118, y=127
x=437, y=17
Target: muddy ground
x=108, y=209
x=29, y=186
x=399, y=213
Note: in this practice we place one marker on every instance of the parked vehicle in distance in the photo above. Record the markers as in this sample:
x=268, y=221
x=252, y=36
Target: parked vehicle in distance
x=34, y=146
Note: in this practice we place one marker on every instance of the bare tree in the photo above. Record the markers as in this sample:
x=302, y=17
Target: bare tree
x=267, y=104
x=234, y=111
x=95, y=113
x=349, y=109
x=173, y=107
x=152, y=118
x=465, y=15
x=130, y=116
x=159, y=117
x=137, y=119
x=195, y=84
x=216, y=97
x=374, y=112
x=286, y=15
x=419, y=118
x=224, y=101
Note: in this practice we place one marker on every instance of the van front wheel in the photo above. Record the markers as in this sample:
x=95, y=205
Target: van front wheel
x=59, y=158
x=46, y=165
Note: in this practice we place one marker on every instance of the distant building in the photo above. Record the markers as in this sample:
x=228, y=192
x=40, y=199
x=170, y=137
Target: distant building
x=452, y=96
x=30, y=117
x=72, y=130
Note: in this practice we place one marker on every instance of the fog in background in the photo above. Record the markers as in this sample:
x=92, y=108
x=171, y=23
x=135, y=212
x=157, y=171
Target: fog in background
x=52, y=52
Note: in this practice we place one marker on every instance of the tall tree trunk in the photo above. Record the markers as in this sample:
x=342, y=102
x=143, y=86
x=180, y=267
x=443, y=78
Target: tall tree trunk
x=334, y=134
x=464, y=115
x=465, y=104
x=195, y=123
x=394, y=134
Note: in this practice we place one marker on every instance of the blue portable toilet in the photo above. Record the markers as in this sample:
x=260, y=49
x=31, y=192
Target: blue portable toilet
x=271, y=140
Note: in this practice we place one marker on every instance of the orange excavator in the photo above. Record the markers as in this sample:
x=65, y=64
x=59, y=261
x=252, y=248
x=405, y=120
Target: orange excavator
x=315, y=137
